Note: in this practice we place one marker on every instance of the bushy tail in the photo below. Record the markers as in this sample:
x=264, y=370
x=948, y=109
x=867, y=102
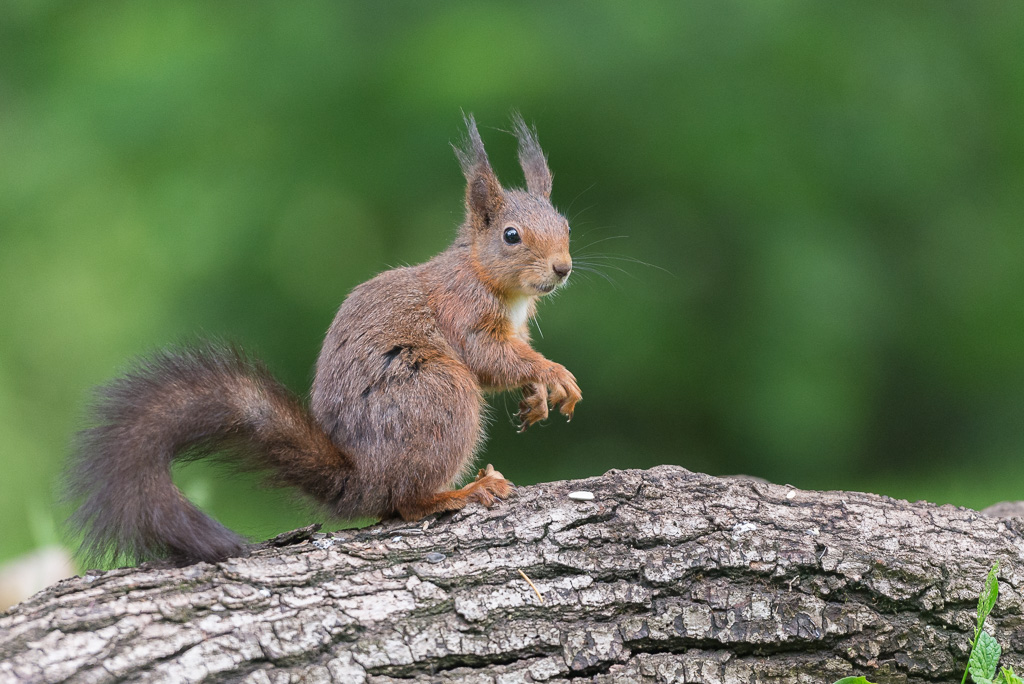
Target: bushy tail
x=186, y=404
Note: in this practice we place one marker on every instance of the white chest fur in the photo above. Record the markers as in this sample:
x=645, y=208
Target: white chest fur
x=518, y=311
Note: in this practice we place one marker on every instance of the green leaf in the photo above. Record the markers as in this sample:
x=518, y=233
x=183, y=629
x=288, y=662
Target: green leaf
x=988, y=596
x=984, y=658
x=1007, y=676
x=853, y=680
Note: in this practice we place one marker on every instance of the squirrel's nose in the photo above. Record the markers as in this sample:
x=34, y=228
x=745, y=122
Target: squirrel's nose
x=561, y=269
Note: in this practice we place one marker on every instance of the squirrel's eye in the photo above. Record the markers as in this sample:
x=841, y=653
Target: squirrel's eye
x=511, y=236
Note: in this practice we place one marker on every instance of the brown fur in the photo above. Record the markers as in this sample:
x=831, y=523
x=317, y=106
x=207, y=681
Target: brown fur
x=397, y=401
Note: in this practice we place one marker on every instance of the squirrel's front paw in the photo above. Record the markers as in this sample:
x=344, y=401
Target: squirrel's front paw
x=563, y=391
x=534, y=406
x=556, y=388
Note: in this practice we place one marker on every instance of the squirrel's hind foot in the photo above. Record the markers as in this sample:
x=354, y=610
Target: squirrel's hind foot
x=489, y=486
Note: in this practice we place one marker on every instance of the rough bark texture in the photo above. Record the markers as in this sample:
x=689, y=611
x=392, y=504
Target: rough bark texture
x=665, y=576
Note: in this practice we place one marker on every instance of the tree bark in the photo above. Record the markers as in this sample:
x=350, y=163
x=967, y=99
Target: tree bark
x=665, y=576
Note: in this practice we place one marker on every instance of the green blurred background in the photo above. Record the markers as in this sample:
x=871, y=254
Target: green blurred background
x=829, y=197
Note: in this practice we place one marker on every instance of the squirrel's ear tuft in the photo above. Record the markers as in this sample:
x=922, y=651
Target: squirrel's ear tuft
x=531, y=158
x=484, y=196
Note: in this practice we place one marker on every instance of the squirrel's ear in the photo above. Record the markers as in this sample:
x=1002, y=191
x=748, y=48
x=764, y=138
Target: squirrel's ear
x=484, y=196
x=531, y=158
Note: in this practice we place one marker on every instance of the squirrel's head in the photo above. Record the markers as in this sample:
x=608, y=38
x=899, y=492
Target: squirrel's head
x=520, y=243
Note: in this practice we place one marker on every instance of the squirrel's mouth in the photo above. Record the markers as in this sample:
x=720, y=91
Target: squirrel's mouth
x=545, y=288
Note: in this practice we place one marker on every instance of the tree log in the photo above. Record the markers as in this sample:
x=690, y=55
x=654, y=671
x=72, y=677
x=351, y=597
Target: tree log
x=665, y=576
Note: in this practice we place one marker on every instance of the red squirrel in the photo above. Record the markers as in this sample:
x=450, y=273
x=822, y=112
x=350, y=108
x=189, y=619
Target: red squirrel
x=396, y=412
